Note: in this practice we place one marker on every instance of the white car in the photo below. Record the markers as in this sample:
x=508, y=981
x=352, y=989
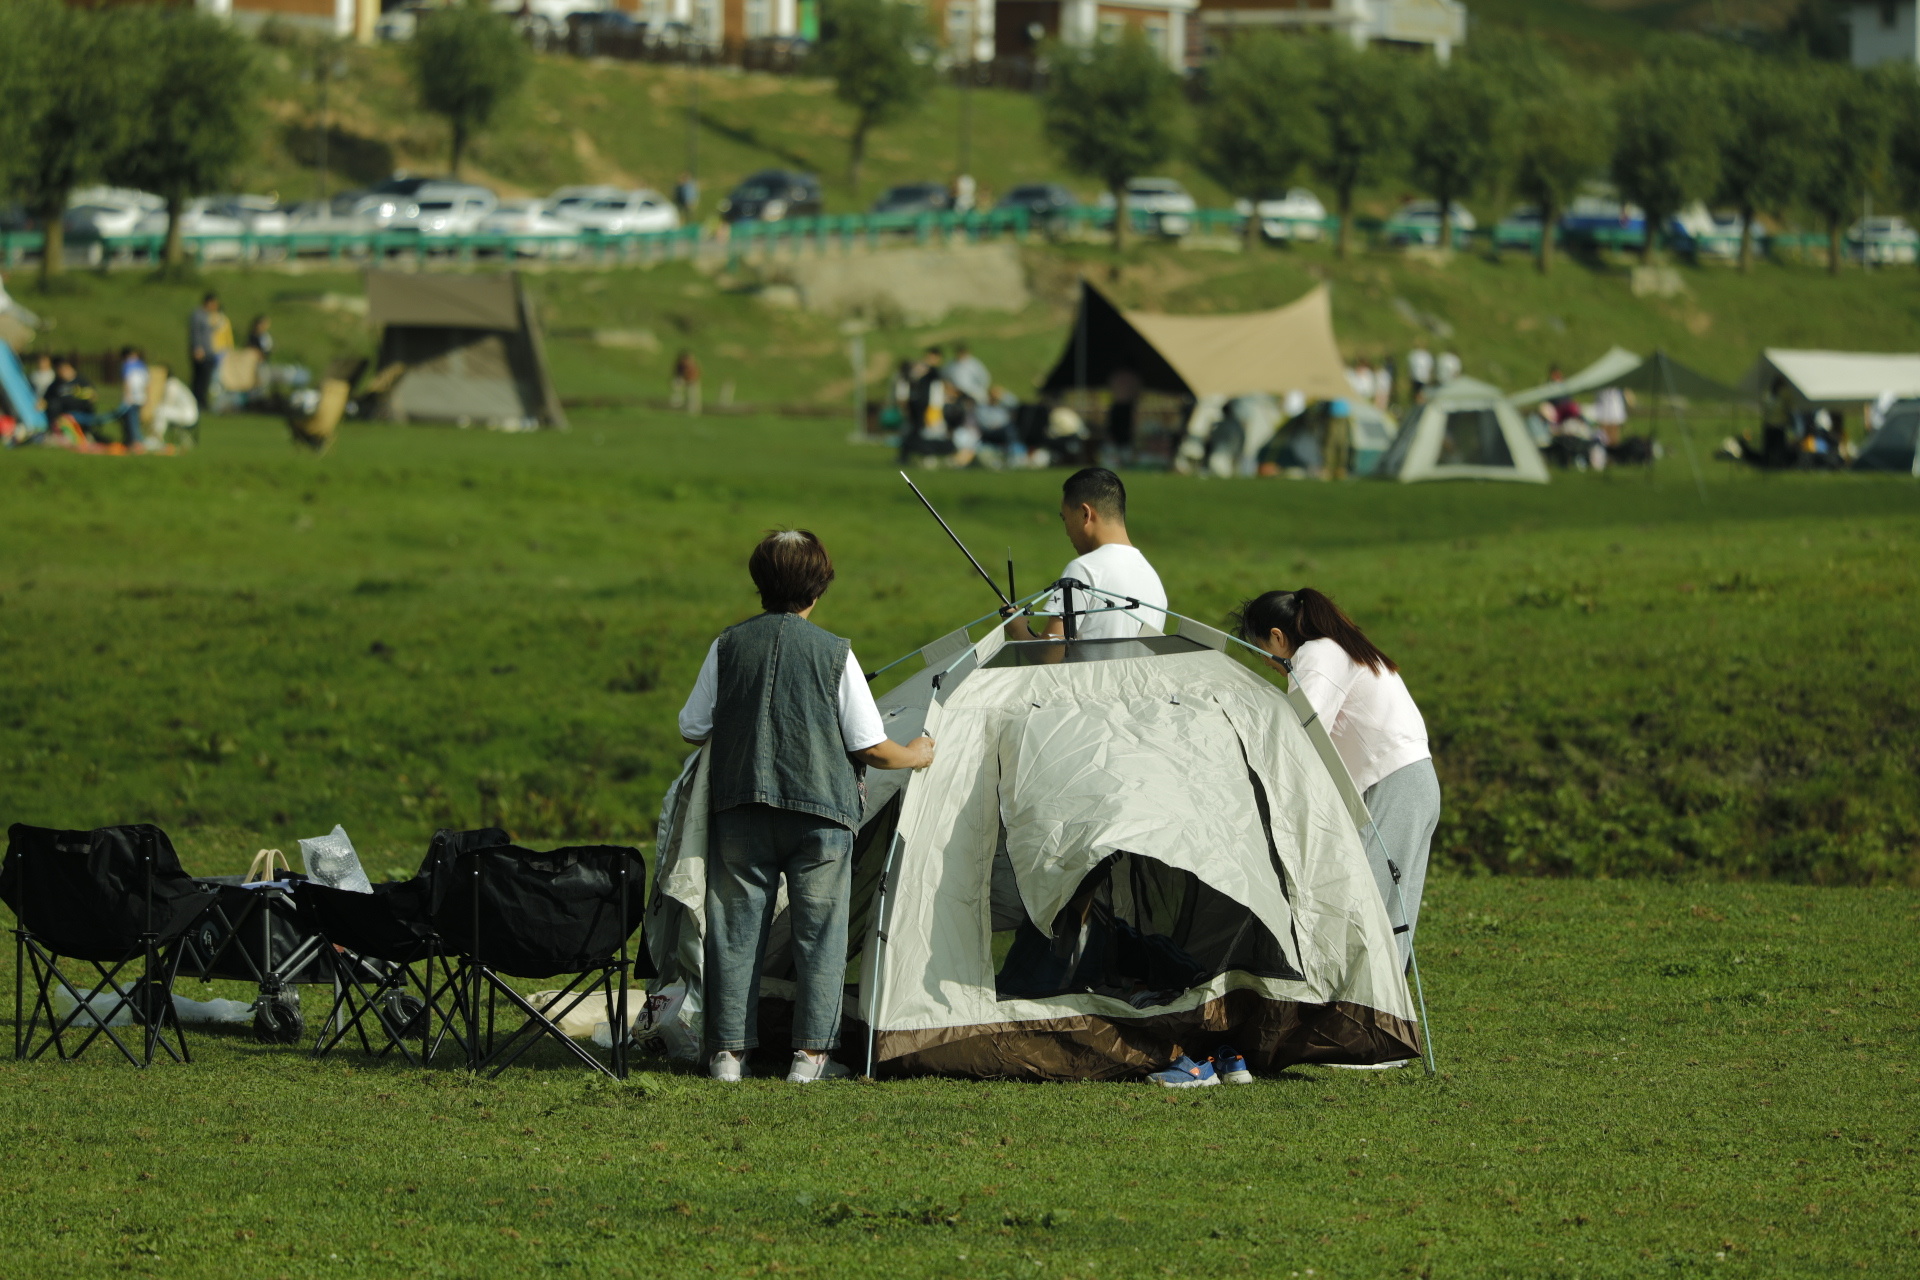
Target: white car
x=351, y=213
x=1883, y=240
x=1298, y=215
x=1418, y=222
x=617, y=212
x=557, y=237
x=198, y=219
x=449, y=209
x=263, y=215
x=1164, y=203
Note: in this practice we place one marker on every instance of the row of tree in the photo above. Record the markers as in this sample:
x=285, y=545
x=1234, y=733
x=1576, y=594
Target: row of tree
x=1506, y=120
x=169, y=100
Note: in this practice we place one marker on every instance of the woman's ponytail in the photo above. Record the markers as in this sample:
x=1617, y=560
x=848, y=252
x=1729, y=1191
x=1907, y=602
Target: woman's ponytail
x=1306, y=614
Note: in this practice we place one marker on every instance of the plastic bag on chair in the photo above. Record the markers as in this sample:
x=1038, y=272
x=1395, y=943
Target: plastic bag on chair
x=330, y=859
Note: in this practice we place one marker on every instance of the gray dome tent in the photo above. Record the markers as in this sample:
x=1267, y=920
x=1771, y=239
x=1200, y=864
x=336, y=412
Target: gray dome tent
x=1126, y=850
x=1466, y=430
x=1891, y=446
x=461, y=349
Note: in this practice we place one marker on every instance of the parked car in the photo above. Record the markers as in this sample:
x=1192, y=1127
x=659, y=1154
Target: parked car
x=351, y=213
x=1602, y=220
x=199, y=219
x=619, y=212
x=1702, y=234
x=1045, y=202
x=1418, y=222
x=558, y=238
x=444, y=209
x=1520, y=229
x=773, y=195
x=262, y=215
x=1298, y=215
x=1162, y=202
x=915, y=198
x=1883, y=240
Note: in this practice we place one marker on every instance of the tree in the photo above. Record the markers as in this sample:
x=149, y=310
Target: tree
x=1553, y=154
x=1770, y=144
x=1259, y=126
x=196, y=93
x=1903, y=136
x=1362, y=101
x=1667, y=150
x=1460, y=139
x=66, y=118
x=1113, y=111
x=870, y=49
x=467, y=63
x=1850, y=153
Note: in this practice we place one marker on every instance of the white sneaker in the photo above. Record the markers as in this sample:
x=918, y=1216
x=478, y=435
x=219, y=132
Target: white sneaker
x=727, y=1066
x=806, y=1070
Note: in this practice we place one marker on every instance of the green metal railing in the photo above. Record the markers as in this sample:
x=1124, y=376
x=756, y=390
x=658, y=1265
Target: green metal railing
x=797, y=236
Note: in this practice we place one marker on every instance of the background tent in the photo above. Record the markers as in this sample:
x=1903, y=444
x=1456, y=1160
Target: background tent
x=1290, y=348
x=1891, y=448
x=1466, y=430
x=1833, y=378
x=468, y=348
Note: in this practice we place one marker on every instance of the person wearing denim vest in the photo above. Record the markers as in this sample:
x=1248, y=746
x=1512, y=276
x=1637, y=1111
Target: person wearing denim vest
x=787, y=718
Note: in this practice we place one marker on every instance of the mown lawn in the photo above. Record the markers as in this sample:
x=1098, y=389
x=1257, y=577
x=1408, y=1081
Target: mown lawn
x=1695, y=1070
x=1636, y=1079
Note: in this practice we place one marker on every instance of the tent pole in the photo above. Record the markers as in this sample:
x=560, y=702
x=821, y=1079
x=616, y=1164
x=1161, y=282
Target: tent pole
x=1420, y=994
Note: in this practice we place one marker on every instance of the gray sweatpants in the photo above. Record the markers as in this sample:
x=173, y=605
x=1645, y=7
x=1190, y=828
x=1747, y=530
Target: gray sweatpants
x=1406, y=809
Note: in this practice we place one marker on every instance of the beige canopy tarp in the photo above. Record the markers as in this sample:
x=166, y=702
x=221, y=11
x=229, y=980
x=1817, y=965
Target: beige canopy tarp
x=1290, y=348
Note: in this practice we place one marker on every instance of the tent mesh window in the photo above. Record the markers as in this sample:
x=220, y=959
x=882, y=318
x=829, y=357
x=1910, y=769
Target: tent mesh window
x=1137, y=930
x=1474, y=439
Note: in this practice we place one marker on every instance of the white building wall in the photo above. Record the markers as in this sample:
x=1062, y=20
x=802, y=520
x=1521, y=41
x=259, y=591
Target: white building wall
x=1884, y=33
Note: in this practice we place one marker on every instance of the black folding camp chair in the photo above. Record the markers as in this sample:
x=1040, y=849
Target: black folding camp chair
x=392, y=975
x=510, y=912
x=107, y=899
x=252, y=933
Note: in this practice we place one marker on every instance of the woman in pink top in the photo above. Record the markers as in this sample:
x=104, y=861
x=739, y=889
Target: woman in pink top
x=1374, y=724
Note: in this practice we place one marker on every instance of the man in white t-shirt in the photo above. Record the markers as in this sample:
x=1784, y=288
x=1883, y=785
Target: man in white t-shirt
x=1093, y=507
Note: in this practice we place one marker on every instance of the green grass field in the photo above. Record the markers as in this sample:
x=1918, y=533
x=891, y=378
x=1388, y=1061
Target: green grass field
x=1639, y=1076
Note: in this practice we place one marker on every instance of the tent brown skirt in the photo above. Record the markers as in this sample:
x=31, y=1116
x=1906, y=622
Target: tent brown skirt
x=1271, y=1033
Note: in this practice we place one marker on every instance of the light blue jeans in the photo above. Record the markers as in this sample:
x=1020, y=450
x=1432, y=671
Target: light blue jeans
x=1406, y=809
x=750, y=848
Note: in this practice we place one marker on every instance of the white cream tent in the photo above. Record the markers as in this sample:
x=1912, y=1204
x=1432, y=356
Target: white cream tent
x=1833, y=378
x=1125, y=850
x=1466, y=430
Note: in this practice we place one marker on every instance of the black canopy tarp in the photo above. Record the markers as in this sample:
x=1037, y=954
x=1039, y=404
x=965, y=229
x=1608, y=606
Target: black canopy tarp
x=1103, y=343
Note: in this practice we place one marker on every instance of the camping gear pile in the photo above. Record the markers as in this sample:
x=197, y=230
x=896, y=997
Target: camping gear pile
x=1126, y=851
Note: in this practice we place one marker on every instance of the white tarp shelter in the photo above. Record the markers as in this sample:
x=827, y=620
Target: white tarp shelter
x=1165, y=842
x=1466, y=430
x=1833, y=378
x=1615, y=364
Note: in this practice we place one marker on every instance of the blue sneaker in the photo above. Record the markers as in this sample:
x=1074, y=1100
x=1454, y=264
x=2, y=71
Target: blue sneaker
x=1186, y=1074
x=1230, y=1066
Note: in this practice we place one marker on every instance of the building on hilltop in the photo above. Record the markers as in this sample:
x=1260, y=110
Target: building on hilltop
x=1438, y=25
x=354, y=19
x=1883, y=32
x=1020, y=26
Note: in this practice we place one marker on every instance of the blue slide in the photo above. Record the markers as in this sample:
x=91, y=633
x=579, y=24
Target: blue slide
x=16, y=393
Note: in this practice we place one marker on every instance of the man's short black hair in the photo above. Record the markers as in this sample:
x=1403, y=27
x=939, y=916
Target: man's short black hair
x=1100, y=489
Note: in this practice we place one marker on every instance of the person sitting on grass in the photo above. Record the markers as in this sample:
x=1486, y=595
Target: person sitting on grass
x=786, y=714
x=72, y=395
x=1375, y=726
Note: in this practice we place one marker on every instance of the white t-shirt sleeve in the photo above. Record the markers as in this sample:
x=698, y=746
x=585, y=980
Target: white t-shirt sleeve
x=696, y=718
x=1325, y=689
x=860, y=723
